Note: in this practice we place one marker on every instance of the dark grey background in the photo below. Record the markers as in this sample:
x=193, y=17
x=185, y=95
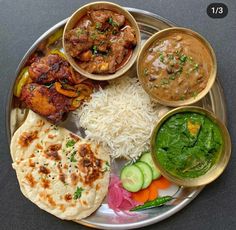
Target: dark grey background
x=23, y=21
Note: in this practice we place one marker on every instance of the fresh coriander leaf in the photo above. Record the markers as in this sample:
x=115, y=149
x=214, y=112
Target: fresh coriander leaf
x=110, y=21
x=49, y=85
x=95, y=51
x=93, y=36
x=145, y=71
x=72, y=157
x=172, y=77
x=161, y=57
x=98, y=25
x=183, y=58
x=78, y=193
x=70, y=143
x=79, y=31
x=196, y=66
x=164, y=81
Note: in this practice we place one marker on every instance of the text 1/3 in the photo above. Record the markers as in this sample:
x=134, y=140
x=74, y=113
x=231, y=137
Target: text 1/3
x=217, y=10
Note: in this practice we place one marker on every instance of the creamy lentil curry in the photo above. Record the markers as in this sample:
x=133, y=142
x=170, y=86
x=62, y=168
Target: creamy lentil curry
x=176, y=67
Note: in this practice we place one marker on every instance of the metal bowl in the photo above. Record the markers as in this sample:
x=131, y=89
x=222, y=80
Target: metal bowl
x=216, y=170
x=162, y=34
x=77, y=15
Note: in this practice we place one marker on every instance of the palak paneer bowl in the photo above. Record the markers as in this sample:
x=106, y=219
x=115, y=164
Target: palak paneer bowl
x=101, y=40
x=190, y=146
x=176, y=66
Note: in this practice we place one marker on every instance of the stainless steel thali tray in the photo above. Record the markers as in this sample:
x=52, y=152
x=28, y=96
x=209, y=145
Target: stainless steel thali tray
x=105, y=218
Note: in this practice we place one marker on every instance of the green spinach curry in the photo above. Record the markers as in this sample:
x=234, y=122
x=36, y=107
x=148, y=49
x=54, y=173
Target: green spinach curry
x=188, y=144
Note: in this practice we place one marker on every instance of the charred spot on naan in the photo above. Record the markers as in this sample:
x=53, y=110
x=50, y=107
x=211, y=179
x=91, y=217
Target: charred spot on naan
x=45, y=183
x=68, y=197
x=89, y=164
x=40, y=123
x=52, y=152
x=26, y=138
x=44, y=170
x=48, y=198
x=30, y=179
x=74, y=179
x=39, y=146
x=31, y=163
x=75, y=137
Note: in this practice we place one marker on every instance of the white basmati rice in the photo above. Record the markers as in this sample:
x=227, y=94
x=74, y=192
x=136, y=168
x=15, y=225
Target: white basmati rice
x=120, y=116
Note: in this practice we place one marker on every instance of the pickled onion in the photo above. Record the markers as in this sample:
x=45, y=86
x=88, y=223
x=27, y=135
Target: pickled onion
x=118, y=198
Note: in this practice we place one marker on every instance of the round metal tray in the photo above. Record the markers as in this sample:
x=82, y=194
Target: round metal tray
x=105, y=218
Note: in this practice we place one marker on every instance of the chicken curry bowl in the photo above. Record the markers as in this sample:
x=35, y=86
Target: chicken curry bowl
x=101, y=39
x=177, y=66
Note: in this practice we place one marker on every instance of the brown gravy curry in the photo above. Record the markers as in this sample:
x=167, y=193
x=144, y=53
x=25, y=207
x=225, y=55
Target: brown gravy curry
x=176, y=67
x=102, y=41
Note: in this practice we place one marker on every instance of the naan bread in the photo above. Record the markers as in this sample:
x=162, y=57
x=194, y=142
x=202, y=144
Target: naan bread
x=60, y=172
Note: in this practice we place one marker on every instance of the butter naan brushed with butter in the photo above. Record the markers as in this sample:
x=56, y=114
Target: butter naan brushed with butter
x=59, y=171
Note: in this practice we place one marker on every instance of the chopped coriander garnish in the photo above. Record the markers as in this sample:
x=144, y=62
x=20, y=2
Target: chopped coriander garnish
x=190, y=59
x=194, y=94
x=70, y=143
x=107, y=167
x=95, y=51
x=170, y=56
x=93, y=36
x=79, y=31
x=164, y=81
x=196, y=66
x=72, y=157
x=161, y=57
x=180, y=70
x=172, y=77
x=110, y=21
x=78, y=193
x=177, y=52
x=183, y=58
x=49, y=85
x=182, y=98
x=114, y=32
x=98, y=25
x=145, y=71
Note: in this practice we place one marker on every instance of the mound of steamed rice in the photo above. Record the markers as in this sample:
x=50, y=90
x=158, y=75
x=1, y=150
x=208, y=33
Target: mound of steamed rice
x=121, y=116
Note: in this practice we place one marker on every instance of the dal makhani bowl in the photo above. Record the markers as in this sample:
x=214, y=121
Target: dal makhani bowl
x=190, y=146
x=177, y=66
x=101, y=40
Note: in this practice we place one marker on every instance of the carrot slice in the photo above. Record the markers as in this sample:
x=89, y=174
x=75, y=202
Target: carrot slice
x=153, y=191
x=141, y=196
x=162, y=183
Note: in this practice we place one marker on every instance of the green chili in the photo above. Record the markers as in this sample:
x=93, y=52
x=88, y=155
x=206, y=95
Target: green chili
x=154, y=203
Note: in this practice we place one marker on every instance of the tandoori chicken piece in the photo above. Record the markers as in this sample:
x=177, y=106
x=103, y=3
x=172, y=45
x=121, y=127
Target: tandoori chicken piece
x=52, y=68
x=46, y=101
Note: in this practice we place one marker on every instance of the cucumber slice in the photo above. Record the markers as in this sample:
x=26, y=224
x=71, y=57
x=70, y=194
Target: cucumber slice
x=147, y=158
x=132, y=178
x=147, y=173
